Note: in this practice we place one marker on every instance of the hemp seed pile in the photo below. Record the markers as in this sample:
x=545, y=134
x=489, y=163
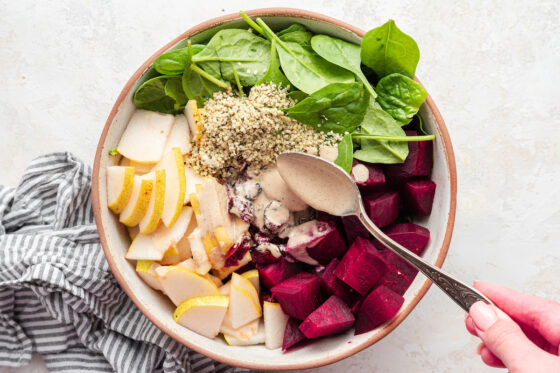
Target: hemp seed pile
x=249, y=132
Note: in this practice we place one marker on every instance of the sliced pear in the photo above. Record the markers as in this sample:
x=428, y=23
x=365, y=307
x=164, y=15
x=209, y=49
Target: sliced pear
x=188, y=264
x=245, y=304
x=191, y=181
x=253, y=277
x=275, y=321
x=120, y=182
x=139, y=200
x=150, y=221
x=224, y=289
x=215, y=280
x=164, y=237
x=143, y=248
x=139, y=168
x=174, y=167
x=145, y=135
x=183, y=246
x=199, y=253
x=194, y=119
x=181, y=284
x=244, y=332
x=202, y=315
x=133, y=232
x=257, y=338
x=213, y=206
x=146, y=269
x=224, y=272
x=179, y=137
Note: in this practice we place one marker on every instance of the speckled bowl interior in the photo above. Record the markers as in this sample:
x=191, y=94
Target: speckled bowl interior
x=159, y=309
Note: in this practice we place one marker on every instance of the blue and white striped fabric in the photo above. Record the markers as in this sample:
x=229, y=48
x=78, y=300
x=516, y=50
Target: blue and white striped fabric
x=58, y=297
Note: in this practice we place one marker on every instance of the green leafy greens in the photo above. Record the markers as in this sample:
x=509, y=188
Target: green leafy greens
x=400, y=96
x=345, y=150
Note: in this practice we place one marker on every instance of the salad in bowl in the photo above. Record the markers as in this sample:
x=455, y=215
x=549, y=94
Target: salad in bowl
x=212, y=225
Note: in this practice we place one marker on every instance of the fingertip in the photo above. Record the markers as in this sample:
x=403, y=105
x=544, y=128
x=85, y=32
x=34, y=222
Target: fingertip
x=470, y=326
x=489, y=358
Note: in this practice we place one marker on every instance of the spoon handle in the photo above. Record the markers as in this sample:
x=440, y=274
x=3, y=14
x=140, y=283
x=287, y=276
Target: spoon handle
x=464, y=295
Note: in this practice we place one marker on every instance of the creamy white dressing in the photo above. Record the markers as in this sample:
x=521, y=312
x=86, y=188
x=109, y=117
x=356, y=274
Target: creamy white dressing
x=276, y=213
x=360, y=173
x=323, y=187
x=275, y=188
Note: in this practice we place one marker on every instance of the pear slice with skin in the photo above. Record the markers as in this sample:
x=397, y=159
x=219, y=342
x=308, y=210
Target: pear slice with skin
x=145, y=136
x=199, y=253
x=146, y=269
x=181, y=284
x=256, y=339
x=179, y=137
x=191, y=181
x=120, y=182
x=138, y=202
x=244, y=332
x=253, y=276
x=143, y=248
x=139, y=168
x=174, y=167
x=244, y=301
x=202, y=315
x=165, y=237
x=225, y=288
x=275, y=321
x=150, y=221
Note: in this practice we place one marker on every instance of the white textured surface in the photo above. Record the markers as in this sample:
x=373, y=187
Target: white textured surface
x=493, y=68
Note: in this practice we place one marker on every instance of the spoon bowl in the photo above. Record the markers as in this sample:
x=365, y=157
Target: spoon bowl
x=327, y=187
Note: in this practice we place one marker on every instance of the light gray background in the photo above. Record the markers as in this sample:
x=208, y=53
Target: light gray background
x=493, y=68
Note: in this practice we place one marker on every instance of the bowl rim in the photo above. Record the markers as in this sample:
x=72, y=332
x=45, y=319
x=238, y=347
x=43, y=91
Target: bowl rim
x=388, y=328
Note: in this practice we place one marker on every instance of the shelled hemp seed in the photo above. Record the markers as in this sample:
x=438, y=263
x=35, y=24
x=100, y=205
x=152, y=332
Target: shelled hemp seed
x=249, y=132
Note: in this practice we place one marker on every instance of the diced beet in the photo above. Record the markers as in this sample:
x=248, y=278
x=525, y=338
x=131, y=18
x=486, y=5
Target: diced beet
x=381, y=305
x=417, y=163
x=419, y=196
x=410, y=235
x=318, y=270
x=332, y=317
x=292, y=334
x=299, y=295
x=332, y=285
x=399, y=263
x=266, y=253
x=356, y=304
x=395, y=280
x=329, y=247
x=382, y=208
x=273, y=274
x=366, y=175
x=361, y=266
x=354, y=228
x=304, y=236
x=238, y=250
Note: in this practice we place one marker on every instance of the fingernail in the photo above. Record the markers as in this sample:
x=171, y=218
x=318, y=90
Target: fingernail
x=483, y=315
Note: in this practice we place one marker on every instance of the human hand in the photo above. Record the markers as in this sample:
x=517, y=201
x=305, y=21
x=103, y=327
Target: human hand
x=522, y=333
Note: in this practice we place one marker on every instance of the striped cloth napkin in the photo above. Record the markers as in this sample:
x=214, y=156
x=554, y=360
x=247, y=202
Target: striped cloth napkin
x=58, y=297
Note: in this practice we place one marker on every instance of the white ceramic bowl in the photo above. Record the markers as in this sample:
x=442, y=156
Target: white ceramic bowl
x=159, y=309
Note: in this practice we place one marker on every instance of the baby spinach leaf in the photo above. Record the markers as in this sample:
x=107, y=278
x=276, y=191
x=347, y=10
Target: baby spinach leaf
x=378, y=122
x=291, y=28
x=297, y=96
x=303, y=38
x=386, y=50
x=345, y=150
x=305, y=69
x=337, y=107
x=400, y=96
x=343, y=54
x=274, y=75
x=151, y=95
x=175, y=61
x=174, y=89
x=197, y=87
x=235, y=49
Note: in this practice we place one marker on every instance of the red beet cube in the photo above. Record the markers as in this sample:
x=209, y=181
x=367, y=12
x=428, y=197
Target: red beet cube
x=361, y=266
x=292, y=334
x=273, y=274
x=417, y=163
x=399, y=263
x=381, y=305
x=410, y=235
x=382, y=208
x=395, y=280
x=366, y=175
x=419, y=196
x=332, y=285
x=332, y=317
x=354, y=228
x=299, y=295
x=329, y=247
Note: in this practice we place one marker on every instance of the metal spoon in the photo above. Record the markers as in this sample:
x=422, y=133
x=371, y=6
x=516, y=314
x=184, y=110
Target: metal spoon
x=327, y=187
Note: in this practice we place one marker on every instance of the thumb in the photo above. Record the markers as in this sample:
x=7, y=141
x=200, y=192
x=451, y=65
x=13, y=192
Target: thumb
x=505, y=339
